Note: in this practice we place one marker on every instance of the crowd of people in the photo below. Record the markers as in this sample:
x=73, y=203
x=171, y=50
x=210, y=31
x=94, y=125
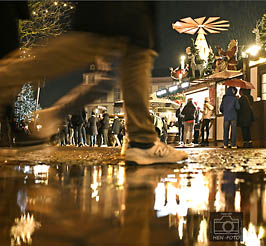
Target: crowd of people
x=95, y=130
x=193, y=122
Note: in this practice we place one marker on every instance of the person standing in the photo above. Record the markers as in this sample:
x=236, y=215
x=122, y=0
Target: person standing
x=206, y=118
x=70, y=130
x=189, y=117
x=104, y=128
x=228, y=108
x=180, y=123
x=116, y=128
x=164, y=131
x=92, y=129
x=124, y=33
x=245, y=116
x=77, y=121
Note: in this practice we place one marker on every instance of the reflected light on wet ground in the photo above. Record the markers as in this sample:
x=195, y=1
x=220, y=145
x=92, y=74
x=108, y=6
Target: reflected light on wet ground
x=63, y=204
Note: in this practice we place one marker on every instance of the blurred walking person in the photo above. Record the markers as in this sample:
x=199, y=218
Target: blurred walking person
x=122, y=33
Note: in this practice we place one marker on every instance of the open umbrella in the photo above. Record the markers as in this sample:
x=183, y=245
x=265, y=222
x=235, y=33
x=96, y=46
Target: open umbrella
x=239, y=83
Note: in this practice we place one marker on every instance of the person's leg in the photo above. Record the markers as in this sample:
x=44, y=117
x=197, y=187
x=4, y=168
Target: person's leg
x=95, y=140
x=72, y=140
x=84, y=135
x=117, y=140
x=233, y=131
x=105, y=137
x=76, y=135
x=185, y=132
x=191, y=127
x=207, y=123
x=249, y=137
x=196, y=136
x=135, y=82
x=226, y=132
x=180, y=133
x=202, y=130
x=144, y=147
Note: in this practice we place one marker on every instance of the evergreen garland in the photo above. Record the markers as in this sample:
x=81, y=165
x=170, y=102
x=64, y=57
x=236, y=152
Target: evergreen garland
x=209, y=68
x=195, y=51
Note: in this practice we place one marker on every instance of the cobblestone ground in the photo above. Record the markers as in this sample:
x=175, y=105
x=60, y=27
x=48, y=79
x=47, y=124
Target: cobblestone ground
x=69, y=196
x=239, y=159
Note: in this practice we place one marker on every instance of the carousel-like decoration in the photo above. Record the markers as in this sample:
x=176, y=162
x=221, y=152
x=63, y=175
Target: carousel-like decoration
x=202, y=26
x=198, y=56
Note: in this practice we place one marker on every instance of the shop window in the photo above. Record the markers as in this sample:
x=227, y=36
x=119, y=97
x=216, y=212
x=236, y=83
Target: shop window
x=117, y=94
x=263, y=87
x=117, y=110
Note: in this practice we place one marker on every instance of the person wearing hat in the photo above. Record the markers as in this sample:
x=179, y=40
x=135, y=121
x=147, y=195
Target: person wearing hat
x=206, y=118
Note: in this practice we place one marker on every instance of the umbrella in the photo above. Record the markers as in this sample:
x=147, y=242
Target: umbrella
x=239, y=83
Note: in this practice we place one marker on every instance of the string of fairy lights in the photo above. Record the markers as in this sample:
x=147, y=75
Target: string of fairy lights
x=48, y=18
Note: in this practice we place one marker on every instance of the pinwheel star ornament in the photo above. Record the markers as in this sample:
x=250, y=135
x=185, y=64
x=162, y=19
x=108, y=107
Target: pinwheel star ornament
x=202, y=26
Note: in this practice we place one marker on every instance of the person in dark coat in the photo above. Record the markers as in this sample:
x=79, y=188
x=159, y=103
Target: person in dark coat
x=164, y=134
x=78, y=121
x=196, y=125
x=189, y=113
x=104, y=129
x=10, y=13
x=116, y=128
x=180, y=123
x=228, y=108
x=70, y=130
x=245, y=116
x=122, y=33
x=92, y=129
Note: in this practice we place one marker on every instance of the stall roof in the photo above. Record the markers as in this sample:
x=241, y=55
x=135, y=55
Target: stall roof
x=227, y=74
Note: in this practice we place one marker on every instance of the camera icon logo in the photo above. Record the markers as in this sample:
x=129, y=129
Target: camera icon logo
x=226, y=226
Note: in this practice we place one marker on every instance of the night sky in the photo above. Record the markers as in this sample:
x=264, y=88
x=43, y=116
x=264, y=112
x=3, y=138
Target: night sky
x=242, y=16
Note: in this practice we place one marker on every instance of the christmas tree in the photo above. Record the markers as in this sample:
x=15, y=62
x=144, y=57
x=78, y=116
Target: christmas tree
x=26, y=104
x=209, y=67
x=48, y=18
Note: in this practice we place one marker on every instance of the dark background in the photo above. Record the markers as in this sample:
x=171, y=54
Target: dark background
x=242, y=16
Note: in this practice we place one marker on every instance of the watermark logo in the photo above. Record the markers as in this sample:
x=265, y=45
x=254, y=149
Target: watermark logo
x=226, y=226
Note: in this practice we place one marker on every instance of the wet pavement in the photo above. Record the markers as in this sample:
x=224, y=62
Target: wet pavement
x=88, y=196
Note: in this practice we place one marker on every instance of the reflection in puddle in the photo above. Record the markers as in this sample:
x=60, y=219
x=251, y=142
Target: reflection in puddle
x=188, y=195
x=23, y=229
x=76, y=201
